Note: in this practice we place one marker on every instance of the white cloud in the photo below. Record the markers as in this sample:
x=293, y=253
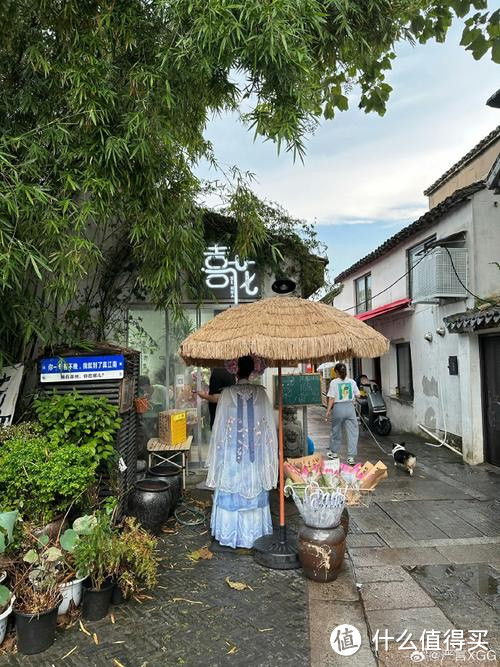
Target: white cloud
x=364, y=169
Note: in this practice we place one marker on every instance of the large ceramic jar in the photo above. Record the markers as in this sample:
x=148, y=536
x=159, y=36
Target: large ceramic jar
x=151, y=503
x=321, y=552
x=171, y=476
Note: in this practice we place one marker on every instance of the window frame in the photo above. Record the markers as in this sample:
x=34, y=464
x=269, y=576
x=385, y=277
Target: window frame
x=407, y=395
x=366, y=305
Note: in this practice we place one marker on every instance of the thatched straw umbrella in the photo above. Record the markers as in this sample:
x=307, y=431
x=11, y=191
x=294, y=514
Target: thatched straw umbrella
x=283, y=331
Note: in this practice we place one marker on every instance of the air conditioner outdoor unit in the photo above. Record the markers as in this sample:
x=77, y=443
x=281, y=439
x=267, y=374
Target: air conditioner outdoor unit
x=434, y=278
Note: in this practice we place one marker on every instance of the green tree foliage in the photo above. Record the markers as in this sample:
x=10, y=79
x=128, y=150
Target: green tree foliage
x=103, y=106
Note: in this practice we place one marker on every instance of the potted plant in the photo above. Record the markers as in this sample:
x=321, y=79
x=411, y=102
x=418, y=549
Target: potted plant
x=7, y=524
x=6, y=603
x=71, y=581
x=135, y=564
x=95, y=554
x=37, y=597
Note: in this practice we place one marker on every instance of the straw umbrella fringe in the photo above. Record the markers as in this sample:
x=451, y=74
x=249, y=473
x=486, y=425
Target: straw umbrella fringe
x=285, y=331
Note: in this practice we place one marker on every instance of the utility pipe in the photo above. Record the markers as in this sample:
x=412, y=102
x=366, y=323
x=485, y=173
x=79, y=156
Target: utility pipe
x=441, y=442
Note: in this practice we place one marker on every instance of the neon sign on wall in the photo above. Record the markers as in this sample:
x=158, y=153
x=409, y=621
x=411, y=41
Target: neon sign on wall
x=231, y=279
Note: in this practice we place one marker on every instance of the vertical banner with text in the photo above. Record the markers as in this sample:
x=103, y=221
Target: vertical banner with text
x=10, y=382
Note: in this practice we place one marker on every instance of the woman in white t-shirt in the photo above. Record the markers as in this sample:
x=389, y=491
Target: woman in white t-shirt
x=341, y=396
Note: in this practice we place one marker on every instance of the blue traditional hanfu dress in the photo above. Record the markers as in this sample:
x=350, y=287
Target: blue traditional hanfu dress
x=242, y=465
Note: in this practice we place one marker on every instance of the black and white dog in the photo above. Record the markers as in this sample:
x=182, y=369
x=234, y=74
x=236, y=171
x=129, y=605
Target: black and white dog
x=402, y=458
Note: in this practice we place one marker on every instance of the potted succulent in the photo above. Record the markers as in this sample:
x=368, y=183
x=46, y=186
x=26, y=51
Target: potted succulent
x=37, y=597
x=6, y=604
x=95, y=554
x=135, y=563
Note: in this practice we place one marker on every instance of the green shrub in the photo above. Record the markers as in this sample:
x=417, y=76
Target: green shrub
x=23, y=430
x=42, y=477
x=83, y=421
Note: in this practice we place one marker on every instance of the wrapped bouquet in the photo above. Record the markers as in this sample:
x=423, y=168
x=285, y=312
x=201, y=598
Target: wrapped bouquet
x=312, y=472
x=320, y=508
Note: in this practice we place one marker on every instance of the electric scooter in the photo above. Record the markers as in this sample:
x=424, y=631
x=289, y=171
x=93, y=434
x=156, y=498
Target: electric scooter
x=372, y=410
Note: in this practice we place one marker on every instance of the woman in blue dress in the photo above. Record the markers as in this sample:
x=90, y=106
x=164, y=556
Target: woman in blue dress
x=242, y=462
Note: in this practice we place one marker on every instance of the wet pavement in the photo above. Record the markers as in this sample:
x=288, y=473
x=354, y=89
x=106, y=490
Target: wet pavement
x=194, y=617
x=426, y=551
x=424, y=555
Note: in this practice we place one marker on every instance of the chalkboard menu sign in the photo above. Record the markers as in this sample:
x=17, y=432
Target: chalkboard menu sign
x=301, y=389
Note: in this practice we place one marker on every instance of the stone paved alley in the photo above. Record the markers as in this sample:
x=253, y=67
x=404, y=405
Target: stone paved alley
x=426, y=553
x=427, y=550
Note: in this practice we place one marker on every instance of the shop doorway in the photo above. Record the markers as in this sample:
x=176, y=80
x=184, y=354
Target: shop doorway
x=490, y=354
x=157, y=336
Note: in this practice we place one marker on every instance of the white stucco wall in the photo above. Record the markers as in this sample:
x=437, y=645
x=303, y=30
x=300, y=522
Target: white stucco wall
x=442, y=402
x=485, y=232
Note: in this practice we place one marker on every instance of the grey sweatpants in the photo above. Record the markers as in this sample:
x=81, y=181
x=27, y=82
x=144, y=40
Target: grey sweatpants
x=344, y=414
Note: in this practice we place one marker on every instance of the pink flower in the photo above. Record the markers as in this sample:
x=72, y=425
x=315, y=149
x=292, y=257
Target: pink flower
x=258, y=362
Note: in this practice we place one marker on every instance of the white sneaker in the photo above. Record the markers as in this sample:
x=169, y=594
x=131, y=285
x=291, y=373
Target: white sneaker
x=332, y=455
x=350, y=461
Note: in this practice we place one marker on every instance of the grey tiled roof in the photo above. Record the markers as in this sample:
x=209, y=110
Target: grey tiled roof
x=478, y=148
x=422, y=223
x=472, y=320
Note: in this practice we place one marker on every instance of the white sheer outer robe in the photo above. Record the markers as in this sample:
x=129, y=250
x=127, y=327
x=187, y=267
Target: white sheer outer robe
x=242, y=465
x=243, y=455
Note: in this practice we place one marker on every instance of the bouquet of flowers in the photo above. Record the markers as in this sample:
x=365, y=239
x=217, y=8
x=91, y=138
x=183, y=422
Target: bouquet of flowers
x=331, y=476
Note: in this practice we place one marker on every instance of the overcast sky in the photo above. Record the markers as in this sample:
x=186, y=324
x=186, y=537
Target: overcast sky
x=363, y=176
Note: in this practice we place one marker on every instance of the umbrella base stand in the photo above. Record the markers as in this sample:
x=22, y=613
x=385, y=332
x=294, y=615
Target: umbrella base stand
x=277, y=551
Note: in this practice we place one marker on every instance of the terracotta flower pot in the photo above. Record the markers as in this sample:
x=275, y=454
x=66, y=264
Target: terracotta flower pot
x=141, y=405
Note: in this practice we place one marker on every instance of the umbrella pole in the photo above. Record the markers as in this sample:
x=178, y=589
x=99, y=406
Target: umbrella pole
x=281, y=459
x=278, y=551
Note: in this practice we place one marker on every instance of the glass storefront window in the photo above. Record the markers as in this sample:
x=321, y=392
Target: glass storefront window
x=170, y=382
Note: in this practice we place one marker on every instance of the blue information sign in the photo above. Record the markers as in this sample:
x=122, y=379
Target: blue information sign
x=82, y=369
